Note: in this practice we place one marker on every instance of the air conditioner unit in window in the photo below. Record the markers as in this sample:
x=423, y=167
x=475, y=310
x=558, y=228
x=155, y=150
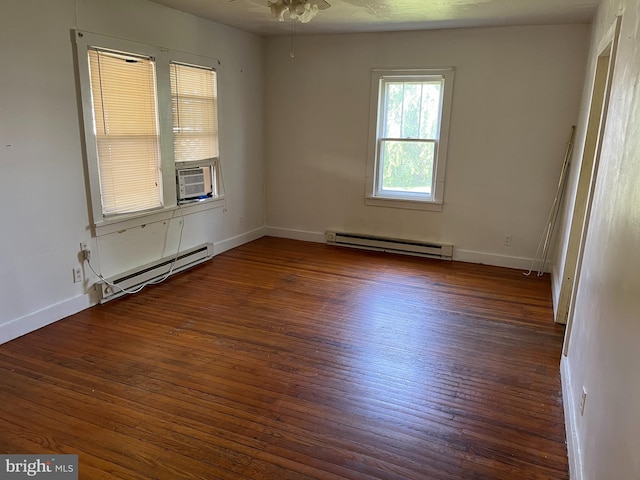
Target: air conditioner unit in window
x=194, y=182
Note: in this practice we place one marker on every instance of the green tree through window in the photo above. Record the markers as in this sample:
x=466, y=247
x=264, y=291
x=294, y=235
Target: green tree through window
x=409, y=138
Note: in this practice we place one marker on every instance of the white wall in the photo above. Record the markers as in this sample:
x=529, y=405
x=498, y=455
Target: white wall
x=604, y=348
x=43, y=198
x=516, y=96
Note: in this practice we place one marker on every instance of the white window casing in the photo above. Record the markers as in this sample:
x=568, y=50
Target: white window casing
x=163, y=199
x=408, y=129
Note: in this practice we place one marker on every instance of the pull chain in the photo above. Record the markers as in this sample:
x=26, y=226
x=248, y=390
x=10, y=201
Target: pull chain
x=292, y=53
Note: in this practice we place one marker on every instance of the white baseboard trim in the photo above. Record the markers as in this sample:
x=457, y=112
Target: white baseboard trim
x=555, y=290
x=33, y=321
x=520, y=263
x=573, y=446
x=470, y=256
x=233, y=242
x=295, y=234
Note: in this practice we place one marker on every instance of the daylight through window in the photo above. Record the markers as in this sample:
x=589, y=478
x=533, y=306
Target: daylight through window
x=194, y=100
x=151, y=131
x=409, y=135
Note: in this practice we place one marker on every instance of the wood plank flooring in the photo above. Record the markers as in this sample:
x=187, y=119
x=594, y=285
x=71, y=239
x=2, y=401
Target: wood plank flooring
x=292, y=360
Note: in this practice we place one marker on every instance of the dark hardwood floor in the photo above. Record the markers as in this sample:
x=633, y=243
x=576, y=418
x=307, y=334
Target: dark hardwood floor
x=292, y=360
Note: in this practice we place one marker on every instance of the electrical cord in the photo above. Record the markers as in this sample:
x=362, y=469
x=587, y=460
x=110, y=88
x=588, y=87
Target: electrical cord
x=87, y=258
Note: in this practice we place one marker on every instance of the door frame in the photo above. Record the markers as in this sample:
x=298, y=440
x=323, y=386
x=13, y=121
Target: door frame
x=589, y=166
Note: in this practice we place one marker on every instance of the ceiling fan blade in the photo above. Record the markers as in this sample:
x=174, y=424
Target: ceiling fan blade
x=323, y=4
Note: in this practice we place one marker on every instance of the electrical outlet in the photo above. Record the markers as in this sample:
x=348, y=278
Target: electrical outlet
x=507, y=240
x=583, y=401
x=241, y=221
x=77, y=274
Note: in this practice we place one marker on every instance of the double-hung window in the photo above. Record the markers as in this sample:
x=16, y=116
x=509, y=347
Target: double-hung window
x=126, y=131
x=150, y=115
x=194, y=99
x=194, y=105
x=408, y=138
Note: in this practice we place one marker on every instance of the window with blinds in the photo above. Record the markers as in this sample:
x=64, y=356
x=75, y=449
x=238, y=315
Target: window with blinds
x=123, y=92
x=150, y=116
x=194, y=100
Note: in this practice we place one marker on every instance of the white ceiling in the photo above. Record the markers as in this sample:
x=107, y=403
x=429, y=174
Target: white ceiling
x=350, y=16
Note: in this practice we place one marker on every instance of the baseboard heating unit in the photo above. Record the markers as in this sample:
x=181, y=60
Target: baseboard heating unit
x=442, y=251
x=152, y=271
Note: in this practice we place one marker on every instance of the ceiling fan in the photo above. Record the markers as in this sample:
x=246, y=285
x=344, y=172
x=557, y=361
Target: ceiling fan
x=302, y=10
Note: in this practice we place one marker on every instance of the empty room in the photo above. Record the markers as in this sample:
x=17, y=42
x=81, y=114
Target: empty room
x=309, y=239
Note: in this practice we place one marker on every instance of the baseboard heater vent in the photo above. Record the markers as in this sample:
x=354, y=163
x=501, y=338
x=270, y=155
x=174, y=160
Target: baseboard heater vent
x=153, y=271
x=393, y=245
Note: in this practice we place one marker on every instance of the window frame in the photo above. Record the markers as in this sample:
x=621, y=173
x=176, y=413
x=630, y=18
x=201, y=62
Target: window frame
x=163, y=58
x=409, y=200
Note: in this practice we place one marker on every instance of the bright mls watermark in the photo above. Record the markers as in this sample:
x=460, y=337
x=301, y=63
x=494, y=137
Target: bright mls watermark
x=50, y=467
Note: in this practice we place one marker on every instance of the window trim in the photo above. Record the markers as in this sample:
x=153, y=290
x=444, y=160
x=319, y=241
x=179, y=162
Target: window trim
x=163, y=58
x=408, y=201
x=133, y=220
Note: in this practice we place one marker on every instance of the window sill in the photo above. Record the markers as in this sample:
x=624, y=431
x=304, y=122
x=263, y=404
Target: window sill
x=124, y=222
x=403, y=203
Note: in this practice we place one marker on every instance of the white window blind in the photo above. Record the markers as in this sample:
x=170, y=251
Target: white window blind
x=194, y=99
x=126, y=127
